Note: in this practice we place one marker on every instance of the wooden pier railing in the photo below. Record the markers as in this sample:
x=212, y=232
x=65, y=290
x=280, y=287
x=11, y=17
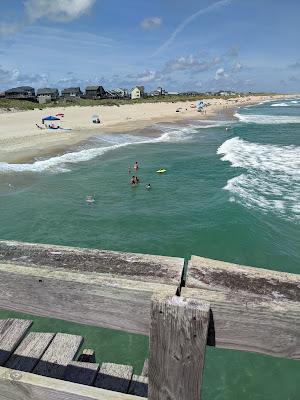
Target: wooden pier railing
x=212, y=303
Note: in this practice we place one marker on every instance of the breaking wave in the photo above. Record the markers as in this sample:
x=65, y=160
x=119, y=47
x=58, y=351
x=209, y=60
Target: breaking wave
x=169, y=133
x=271, y=180
x=280, y=105
x=267, y=119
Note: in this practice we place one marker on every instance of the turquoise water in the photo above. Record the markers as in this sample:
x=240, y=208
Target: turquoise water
x=228, y=194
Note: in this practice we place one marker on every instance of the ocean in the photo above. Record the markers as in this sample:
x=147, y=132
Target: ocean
x=231, y=192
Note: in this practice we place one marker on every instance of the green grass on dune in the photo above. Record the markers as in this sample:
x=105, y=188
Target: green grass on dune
x=12, y=104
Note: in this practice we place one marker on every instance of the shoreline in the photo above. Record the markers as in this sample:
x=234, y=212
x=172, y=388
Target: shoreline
x=22, y=142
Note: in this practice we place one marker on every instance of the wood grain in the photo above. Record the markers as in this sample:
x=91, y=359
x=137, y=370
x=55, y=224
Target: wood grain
x=204, y=273
x=88, y=298
x=251, y=323
x=12, y=332
x=29, y=352
x=81, y=372
x=141, y=267
x=114, y=377
x=59, y=354
x=15, y=385
x=139, y=386
x=178, y=338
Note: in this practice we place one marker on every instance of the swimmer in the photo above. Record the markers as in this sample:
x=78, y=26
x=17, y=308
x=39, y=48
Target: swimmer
x=90, y=199
x=136, y=166
x=148, y=186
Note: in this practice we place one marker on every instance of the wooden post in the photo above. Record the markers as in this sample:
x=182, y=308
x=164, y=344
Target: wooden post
x=178, y=335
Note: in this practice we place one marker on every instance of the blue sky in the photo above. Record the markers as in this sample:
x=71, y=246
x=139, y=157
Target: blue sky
x=250, y=45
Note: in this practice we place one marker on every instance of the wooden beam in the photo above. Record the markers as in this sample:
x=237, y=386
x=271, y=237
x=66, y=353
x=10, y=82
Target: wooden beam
x=114, y=377
x=59, y=354
x=251, y=323
x=88, y=298
x=252, y=309
x=12, y=332
x=178, y=338
x=139, y=386
x=141, y=267
x=81, y=372
x=204, y=273
x=29, y=352
x=15, y=385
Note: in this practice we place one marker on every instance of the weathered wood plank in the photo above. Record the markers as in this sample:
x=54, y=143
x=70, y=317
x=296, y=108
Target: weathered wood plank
x=87, y=355
x=114, y=377
x=88, y=298
x=15, y=385
x=178, y=338
x=251, y=323
x=12, y=332
x=81, y=372
x=253, y=309
x=59, y=354
x=29, y=352
x=145, y=368
x=141, y=267
x=139, y=386
x=204, y=273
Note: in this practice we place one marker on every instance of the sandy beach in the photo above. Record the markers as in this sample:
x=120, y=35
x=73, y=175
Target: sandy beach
x=21, y=140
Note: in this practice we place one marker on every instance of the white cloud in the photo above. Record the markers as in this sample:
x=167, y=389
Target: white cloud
x=58, y=10
x=220, y=73
x=191, y=18
x=191, y=63
x=151, y=23
x=144, y=77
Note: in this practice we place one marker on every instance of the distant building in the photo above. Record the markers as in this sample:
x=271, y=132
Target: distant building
x=71, y=92
x=121, y=92
x=138, y=92
x=226, y=93
x=158, y=92
x=173, y=93
x=47, y=94
x=21, y=93
x=94, y=92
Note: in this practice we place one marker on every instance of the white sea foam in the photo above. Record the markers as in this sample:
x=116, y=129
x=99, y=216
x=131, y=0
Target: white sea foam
x=267, y=119
x=170, y=133
x=271, y=180
x=280, y=105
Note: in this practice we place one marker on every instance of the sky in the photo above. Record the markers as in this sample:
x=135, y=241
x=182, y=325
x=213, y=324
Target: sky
x=181, y=45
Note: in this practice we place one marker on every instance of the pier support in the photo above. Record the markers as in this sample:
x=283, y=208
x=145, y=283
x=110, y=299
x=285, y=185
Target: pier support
x=178, y=335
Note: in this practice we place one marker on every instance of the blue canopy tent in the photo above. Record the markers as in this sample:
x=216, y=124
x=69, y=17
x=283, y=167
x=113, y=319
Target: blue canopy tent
x=50, y=118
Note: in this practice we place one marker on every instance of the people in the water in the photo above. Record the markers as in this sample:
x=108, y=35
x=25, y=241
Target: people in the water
x=134, y=180
x=148, y=186
x=136, y=166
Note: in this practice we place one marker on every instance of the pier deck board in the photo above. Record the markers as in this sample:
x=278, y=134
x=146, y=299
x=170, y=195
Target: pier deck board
x=114, y=377
x=59, y=354
x=12, y=332
x=81, y=372
x=29, y=352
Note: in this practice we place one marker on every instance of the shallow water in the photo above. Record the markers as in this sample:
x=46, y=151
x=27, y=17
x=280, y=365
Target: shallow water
x=227, y=194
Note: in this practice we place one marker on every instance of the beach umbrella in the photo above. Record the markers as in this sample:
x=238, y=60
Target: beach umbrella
x=51, y=118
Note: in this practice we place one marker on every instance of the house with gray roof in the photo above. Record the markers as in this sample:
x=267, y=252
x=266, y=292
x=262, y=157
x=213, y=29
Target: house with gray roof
x=47, y=94
x=95, y=92
x=21, y=93
x=72, y=92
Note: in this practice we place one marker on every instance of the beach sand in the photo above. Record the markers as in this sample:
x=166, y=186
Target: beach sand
x=22, y=141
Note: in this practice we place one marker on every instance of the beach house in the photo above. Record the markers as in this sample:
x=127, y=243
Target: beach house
x=94, y=92
x=21, y=93
x=71, y=92
x=47, y=94
x=137, y=92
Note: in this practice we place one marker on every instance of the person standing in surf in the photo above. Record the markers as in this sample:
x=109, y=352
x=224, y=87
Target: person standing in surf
x=136, y=166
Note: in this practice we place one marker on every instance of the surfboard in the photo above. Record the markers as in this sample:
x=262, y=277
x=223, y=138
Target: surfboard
x=161, y=171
